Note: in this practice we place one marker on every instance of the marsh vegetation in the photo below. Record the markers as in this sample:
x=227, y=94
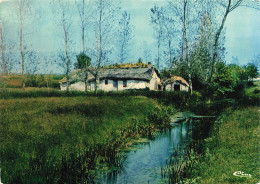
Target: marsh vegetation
x=68, y=139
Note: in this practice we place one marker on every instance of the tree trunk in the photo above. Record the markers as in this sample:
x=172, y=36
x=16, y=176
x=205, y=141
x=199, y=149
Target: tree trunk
x=170, y=51
x=158, y=52
x=100, y=46
x=3, y=49
x=83, y=27
x=216, y=41
x=186, y=44
x=97, y=81
x=67, y=58
x=86, y=81
x=21, y=48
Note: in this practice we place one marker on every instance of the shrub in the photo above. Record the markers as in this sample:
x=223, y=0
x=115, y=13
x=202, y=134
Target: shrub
x=161, y=116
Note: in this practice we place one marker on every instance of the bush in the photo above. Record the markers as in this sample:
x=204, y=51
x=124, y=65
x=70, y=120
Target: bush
x=161, y=116
x=41, y=80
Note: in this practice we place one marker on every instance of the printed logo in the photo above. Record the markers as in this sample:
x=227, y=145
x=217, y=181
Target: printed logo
x=242, y=174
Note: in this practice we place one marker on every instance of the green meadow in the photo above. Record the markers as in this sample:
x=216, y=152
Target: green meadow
x=68, y=139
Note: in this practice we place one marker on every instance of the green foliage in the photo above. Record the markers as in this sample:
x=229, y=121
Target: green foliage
x=251, y=71
x=223, y=80
x=83, y=61
x=140, y=60
x=41, y=80
x=161, y=116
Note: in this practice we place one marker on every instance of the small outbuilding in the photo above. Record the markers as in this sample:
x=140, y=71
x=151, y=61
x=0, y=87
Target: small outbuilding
x=175, y=83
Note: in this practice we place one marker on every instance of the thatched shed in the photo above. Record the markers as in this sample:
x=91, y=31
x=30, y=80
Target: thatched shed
x=175, y=83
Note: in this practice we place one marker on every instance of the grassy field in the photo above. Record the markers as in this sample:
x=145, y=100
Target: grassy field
x=233, y=144
x=234, y=148
x=65, y=139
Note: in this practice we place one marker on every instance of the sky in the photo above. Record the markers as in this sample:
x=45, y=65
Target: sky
x=242, y=30
x=243, y=34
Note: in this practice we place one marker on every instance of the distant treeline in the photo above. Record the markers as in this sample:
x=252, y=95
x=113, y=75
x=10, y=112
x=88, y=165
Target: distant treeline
x=32, y=80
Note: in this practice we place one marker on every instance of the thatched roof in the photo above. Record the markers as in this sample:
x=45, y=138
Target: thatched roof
x=78, y=75
x=175, y=79
x=135, y=73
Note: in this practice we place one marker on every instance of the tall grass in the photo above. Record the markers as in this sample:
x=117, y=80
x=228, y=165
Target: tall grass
x=233, y=146
x=69, y=139
x=180, y=100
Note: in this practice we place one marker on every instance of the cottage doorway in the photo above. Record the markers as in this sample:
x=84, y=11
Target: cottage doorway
x=115, y=84
x=177, y=87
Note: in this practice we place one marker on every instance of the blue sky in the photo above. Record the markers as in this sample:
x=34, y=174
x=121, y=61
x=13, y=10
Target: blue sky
x=243, y=34
x=242, y=30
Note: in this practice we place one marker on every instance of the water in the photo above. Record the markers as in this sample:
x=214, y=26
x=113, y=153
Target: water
x=144, y=164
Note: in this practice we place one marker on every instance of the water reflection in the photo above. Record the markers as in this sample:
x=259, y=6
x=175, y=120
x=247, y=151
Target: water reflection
x=144, y=164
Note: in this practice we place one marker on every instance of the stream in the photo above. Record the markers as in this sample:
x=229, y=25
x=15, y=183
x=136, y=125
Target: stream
x=143, y=165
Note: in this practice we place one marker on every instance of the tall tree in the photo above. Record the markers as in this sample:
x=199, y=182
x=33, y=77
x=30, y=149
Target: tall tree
x=203, y=50
x=84, y=21
x=25, y=16
x=3, y=49
x=8, y=60
x=228, y=6
x=157, y=22
x=125, y=36
x=83, y=62
x=62, y=12
x=105, y=31
x=147, y=52
x=256, y=61
x=184, y=12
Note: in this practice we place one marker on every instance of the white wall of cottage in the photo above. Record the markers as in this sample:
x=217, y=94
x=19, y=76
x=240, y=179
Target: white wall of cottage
x=153, y=85
x=170, y=87
x=130, y=84
x=78, y=86
x=63, y=86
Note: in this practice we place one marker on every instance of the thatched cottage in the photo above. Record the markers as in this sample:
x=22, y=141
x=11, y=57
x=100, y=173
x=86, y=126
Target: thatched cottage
x=115, y=79
x=175, y=83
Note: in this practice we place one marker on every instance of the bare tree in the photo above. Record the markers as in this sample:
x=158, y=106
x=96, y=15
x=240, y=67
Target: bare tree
x=185, y=13
x=84, y=20
x=228, y=6
x=25, y=18
x=62, y=12
x=3, y=49
x=147, y=52
x=169, y=30
x=104, y=31
x=9, y=60
x=125, y=35
x=256, y=61
x=157, y=22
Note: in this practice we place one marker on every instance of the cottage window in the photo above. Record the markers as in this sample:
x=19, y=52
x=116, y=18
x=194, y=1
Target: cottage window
x=124, y=83
x=106, y=82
